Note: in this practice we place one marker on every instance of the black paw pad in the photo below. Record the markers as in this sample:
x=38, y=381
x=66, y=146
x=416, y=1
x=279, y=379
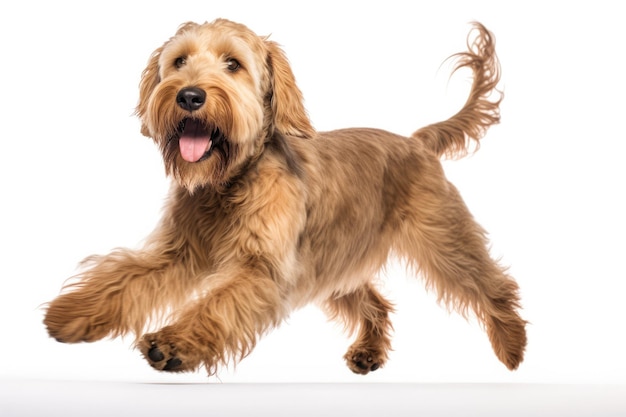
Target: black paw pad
x=172, y=364
x=155, y=354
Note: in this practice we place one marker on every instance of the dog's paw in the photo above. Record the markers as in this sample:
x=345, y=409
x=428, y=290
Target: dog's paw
x=163, y=353
x=75, y=330
x=363, y=361
x=68, y=321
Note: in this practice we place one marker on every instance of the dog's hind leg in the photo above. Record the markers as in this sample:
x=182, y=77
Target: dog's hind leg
x=364, y=311
x=441, y=239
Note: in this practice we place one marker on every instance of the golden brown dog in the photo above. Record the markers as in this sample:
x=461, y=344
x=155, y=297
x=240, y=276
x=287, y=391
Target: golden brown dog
x=267, y=215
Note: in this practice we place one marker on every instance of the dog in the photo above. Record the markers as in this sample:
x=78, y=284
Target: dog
x=266, y=215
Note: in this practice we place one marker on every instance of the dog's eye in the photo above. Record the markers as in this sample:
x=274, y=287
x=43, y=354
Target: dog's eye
x=232, y=64
x=180, y=61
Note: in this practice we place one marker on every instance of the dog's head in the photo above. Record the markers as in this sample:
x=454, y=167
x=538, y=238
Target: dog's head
x=212, y=96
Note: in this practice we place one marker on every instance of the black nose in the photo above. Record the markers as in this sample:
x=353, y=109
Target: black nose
x=190, y=98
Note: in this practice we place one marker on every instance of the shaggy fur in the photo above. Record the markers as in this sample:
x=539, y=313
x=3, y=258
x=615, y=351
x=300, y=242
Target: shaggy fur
x=266, y=215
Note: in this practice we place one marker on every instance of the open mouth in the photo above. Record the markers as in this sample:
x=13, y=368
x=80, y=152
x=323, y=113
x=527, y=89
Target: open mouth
x=196, y=140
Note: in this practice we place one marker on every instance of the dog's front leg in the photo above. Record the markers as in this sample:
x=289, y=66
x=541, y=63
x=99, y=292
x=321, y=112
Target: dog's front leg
x=245, y=294
x=116, y=294
x=220, y=326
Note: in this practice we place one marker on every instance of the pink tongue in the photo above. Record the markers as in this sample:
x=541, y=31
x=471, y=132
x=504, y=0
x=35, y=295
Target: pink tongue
x=194, y=142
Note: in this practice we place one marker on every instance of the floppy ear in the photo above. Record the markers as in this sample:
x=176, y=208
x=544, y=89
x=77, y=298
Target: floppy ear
x=290, y=117
x=149, y=80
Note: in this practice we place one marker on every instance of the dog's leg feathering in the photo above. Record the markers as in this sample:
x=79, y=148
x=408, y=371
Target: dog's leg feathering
x=367, y=312
x=116, y=294
x=217, y=328
x=443, y=242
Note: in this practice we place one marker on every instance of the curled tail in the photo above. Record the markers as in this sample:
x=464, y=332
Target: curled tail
x=451, y=137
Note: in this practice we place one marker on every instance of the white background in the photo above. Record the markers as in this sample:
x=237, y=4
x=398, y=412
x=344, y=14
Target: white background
x=77, y=177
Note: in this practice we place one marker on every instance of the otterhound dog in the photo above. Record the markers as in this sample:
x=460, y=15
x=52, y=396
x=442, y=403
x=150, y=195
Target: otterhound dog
x=266, y=215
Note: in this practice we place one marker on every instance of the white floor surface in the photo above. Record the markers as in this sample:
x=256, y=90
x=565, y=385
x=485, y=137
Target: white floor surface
x=89, y=398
